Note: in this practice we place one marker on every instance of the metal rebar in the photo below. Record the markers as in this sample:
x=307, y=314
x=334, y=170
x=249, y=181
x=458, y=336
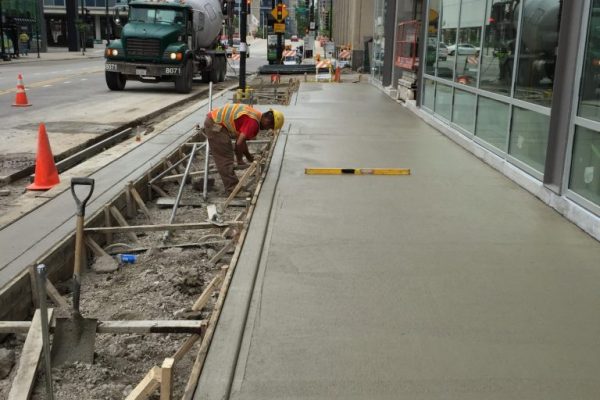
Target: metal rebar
x=207, y=148
x=166, y=171
x=180, y=192
x=41, y=280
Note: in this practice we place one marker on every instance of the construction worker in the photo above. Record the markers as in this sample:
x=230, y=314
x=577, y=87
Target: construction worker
x=240, y=122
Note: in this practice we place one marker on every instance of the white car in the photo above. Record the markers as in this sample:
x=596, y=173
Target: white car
x=442, y=52
x=464, y=49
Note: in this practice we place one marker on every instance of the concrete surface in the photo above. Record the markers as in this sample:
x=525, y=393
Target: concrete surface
x=451, y=283
x=25, y=240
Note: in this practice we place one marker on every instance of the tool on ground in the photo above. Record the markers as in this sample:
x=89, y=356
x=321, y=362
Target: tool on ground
x=167, y=234
x=207, y=153
x=357, y=171
x=46, y=174
x=41, y=283
x=74, y=337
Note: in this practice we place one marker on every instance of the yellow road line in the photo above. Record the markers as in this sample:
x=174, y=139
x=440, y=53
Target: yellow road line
x=49, y=81
x=357, y=171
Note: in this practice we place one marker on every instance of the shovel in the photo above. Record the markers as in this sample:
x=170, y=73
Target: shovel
x=74, y=337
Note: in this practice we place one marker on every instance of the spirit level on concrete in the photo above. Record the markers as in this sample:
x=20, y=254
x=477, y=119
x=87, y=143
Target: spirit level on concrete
x=357, y=171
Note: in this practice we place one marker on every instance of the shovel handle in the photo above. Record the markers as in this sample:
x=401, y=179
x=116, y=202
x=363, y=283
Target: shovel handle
x=81, y=203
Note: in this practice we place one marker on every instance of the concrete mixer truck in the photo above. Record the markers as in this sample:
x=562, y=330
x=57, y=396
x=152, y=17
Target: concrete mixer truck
x=168, y=41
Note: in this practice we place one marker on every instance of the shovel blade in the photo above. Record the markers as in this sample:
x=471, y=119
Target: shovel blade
x=74, y=341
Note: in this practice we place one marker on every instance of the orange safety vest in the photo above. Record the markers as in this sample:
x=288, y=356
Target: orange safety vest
x=227, y=115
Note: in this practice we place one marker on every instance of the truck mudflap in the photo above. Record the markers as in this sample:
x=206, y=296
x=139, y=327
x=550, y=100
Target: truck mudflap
x=142, y=69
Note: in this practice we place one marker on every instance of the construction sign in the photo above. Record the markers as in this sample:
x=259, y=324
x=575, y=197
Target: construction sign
x=280, y=12
x=279, y=28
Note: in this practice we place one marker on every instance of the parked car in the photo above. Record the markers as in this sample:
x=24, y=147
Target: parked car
x=465, y=49
x=442, y=52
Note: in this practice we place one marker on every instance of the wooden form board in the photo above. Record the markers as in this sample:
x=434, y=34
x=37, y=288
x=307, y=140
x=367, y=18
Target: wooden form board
x=22, y=385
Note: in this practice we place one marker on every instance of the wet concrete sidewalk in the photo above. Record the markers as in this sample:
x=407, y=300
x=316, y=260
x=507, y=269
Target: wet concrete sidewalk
x=451, y=283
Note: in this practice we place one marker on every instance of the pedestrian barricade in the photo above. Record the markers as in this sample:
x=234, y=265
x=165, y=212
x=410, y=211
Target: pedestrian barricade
x=319, y=75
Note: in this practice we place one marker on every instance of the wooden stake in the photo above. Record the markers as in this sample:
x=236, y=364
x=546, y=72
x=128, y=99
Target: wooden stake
x=158, y=190
x=130, y=210
x=121, y=221
x=166, y=389
x=30, y=357
x=213, y=261
x=98, y=251
x=108, y=223
x=55, y=296
x=239, y=186
x=199, y=305
x=138, y=199
x=147, y=386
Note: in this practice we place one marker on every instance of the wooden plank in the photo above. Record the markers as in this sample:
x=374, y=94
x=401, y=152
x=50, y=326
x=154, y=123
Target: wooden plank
x=168, y=326
x=138, y=199
x=121, y=221
x=147, y=386
x=171, y=245
x=163, y=227
x=168, y=202
x=55, y=296
x=239, y=186
x=166, y=387
x=217, y=257
x=22, y=385
x=199, y=305
x=14, y=326
x=96, y=248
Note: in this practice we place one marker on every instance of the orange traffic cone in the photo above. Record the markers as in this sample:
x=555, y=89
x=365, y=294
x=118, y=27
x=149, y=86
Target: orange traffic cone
x=21, y=98
x=46, y=174
x=338, y=74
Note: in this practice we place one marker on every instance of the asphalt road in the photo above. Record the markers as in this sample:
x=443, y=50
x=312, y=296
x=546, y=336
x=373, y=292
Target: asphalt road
x=71, y=98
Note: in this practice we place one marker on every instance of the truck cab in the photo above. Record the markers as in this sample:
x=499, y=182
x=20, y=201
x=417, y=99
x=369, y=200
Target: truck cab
x=167, y=41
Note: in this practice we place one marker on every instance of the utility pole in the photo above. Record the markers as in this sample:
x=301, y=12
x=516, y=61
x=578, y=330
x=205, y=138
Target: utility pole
x=72, y=34
x=3, y=52
x=82, y=28
x=37, y=29
x=107, y=23
x=243, y=44
x=279, y=37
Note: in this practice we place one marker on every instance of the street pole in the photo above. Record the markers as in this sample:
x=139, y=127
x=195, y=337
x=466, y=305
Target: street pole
x=3, y=53
x=37, y=29
x=107, y=23
x=279, y=41
x=243, y=44
x=81, y=28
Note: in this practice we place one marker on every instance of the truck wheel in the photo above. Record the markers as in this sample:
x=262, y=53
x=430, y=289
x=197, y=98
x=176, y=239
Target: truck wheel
x=115, y=80
x=222, y=68
x=183, y=83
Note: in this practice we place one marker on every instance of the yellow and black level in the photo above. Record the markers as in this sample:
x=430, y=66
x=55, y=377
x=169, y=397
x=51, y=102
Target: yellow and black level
x=357, y=171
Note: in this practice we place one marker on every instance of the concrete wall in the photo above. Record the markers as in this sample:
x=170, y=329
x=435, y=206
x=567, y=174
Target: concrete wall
x=353, y=24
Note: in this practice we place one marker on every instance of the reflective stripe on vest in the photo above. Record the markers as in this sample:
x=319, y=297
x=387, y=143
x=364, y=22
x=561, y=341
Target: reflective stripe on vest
x=227, y=115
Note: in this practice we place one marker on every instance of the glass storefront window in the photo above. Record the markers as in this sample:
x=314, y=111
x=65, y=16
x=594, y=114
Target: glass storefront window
x=429, y=94
x=537, y=52
x=589, y=97
x=467, y=51
x=529, y=137
x=585, y=164
x=433, y=21
x=443, y=101
x=449, y=28
x=463, y=113
x=492, y=122
x=498, y=52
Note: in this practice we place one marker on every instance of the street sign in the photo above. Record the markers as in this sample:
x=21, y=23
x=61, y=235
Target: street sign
x=279, y=28
x=280, y=12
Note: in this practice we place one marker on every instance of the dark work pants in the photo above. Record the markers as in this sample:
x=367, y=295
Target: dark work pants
x=219, y=140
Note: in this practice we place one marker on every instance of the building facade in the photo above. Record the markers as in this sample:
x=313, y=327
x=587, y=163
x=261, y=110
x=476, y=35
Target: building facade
x=352, y=24
x=516, y=82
